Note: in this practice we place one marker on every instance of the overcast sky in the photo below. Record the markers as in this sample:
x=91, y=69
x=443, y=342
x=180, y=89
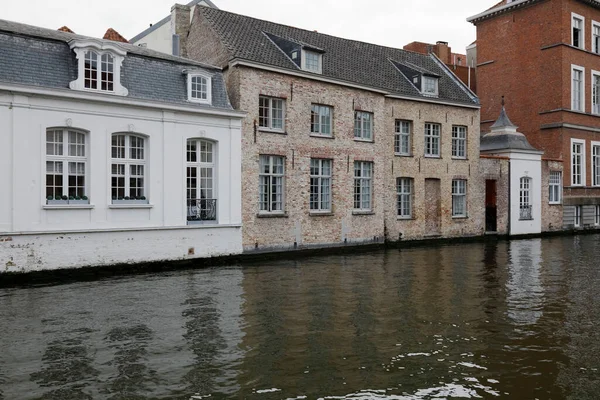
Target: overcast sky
x=384, y=22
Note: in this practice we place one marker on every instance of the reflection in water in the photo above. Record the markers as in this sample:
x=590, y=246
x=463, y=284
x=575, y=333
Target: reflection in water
x=514, y=320
x=67, y=367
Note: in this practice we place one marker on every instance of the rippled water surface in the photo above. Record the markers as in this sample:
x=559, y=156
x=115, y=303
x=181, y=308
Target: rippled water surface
x=517, y=320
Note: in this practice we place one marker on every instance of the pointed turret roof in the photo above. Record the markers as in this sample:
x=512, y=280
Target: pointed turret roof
x=504, y=136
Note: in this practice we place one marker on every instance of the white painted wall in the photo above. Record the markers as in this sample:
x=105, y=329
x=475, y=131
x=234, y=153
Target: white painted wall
x=521, y=165
x=23, y=122
x=160, y=39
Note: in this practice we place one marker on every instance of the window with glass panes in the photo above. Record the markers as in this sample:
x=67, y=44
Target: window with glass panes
x=596, y=164
x=577, y=163
x=200, y=169
x=271, y=183
x=128, y=167
x=199, y=88
x=459, y=198
x=577, y=91
x=320, y=185
x=525, y=198
x=94, y=63
x=595, y=93
x=271, y=113
x=430, y=85
x=459, y=141
x=66, y=161
x=363, y=185
x=402, y=139
x=555, y=187
x=597, y=215
x=363, y=125
x=595, y=38
x=432, y=139
x=577, y=31
x=404, y=188
x=578, y=216
x=320, y=120
x=312, y=61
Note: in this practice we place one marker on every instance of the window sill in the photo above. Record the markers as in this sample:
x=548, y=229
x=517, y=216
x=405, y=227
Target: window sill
x=403, y=155
x=364, y=140
x=199, y=101
x=431, y=156
x=275, y=131
x=525, y=219
x=555, y=203
x=321, y=136
x=68, y=206
x=320, y=213
x=272, y=215
x=460, y=158
x=460, y=216
x=366, y=212
x=401, y=218
x=121, y=206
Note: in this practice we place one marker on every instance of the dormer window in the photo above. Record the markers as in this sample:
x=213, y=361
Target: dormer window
x=311, y=61
x=99, y=66
x=199, y=87
x=430, y=85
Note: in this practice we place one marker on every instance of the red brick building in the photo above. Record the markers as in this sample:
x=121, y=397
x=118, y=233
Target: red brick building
x=544, y=57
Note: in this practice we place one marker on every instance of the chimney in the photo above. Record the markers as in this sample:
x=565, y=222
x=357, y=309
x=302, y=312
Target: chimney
x=443, y=52
x=180, y=27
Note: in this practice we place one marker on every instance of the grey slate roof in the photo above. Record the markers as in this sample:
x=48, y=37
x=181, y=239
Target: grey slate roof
x=504, y=136
x=42, y=57
x=343, y=59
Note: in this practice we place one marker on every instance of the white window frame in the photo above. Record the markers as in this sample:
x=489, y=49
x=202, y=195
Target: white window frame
x=597, y=215
x=581, y=181
x=426, y=89
x=581, y=18
x=403, y=137
x=321, y=116
x=321, y=171
x=433, y=138
x=363, y=125
x=270, y=117
x=595, y=35
x=555, y=187
x=525, y=192
x=128, y=162
x=578, y=216
x=268, y=180
x=581, y=89
x=100, y=47
x=459, y=141
x=190, y=87
x=459, y=191
x=595, y=147
x=309, y=66
x=203, y=207
x=404, y=197
x=66, y=159
x=363, y=186
x=595, y=91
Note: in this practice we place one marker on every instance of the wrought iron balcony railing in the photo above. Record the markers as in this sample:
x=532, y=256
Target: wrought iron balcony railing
x=202, y=209
x=525, y=213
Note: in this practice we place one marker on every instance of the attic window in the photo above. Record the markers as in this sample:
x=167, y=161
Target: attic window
x=198, y=87
x=311, y=61
x=98, y=66
x=430, y=85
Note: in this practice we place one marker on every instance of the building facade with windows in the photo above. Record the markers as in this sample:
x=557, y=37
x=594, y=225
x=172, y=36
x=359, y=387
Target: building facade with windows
x=112, y=154
x=543, y=56
x=344, y=141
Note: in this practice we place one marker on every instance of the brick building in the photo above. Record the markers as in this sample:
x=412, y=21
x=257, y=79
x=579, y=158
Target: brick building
x=344, y=141
x=543, y=56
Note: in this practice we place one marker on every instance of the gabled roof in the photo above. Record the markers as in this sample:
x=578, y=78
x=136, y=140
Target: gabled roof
x=166, y=19
x=65, y=29
x=504, y=6
x=245, y=39
x=39, y=57
x=115, y=36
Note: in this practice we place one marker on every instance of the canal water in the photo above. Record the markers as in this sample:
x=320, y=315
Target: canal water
x=515, y=320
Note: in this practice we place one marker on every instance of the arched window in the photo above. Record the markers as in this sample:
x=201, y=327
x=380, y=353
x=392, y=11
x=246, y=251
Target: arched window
x=199, y=87
x=525, y=199
x=66, y=166
x=128, y=168
x=200, y=180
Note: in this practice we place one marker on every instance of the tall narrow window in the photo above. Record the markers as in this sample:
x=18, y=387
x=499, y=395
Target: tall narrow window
x=595, y=92
x=577, y=89
x=402, y=140
x=107, y=72
x=363, y=125
x=320, y=185
x=200, y=177
x=363, y=185
x=555, y=187
x=596, y=37
x=577, y=162
x=597, y=215
x=525, y=199
x=128, y=168
x=66, y=161
x=91, y=70
x=577, y=217
x=596, y=163
x=320, y=120
x=577, y=35
x=404, y=189
x=459, y=141
x=271, y=185
x=459, y=198
x=271, y=113
x=432, y=140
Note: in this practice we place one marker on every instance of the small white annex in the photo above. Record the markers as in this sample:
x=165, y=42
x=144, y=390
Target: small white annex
x=112, y=154
x=525, y=174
